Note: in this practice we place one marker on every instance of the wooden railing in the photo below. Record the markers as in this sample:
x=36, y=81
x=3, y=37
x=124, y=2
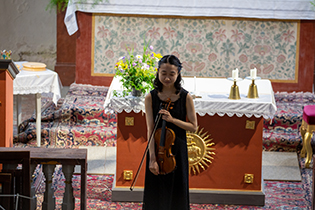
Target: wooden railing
x=48, y=158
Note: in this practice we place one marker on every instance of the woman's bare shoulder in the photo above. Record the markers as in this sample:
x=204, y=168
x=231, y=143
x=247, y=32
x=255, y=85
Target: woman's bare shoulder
x=148, y=96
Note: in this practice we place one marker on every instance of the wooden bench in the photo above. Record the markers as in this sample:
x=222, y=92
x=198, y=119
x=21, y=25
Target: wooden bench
x=21, y=177
x=49, y=158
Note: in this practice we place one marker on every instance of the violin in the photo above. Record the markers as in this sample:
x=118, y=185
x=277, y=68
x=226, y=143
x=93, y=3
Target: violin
x=164, y=139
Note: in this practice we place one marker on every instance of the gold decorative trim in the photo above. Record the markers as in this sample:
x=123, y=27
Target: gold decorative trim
x=200, y=151
x=249, y=178
x=128, y=175
x=194, y=17
x=224, y=190
x=129, y=121
x=250, y=124
x=92, y=44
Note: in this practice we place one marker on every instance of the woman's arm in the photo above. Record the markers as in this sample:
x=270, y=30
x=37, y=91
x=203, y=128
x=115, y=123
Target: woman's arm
x=192, y=124
x=153, y=165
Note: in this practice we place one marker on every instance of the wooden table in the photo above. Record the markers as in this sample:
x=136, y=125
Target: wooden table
x=54, y=156
x=37, y=82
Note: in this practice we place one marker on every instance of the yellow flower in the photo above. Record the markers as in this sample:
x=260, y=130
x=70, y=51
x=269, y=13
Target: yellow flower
x=159, y=56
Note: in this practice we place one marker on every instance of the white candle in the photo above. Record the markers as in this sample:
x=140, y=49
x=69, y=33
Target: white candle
x=253, y=73
x=235, y=74
x=194, y=83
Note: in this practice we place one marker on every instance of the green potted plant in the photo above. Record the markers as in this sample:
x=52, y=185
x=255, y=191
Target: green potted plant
x=137, y=72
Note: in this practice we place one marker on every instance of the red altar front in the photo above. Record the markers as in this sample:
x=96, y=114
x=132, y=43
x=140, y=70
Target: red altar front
x=238, y=151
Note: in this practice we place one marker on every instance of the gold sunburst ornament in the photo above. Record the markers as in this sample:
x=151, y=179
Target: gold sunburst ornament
x=200, y=151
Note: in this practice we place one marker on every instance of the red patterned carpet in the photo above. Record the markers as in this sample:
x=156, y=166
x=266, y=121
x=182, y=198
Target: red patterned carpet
x=279, y=194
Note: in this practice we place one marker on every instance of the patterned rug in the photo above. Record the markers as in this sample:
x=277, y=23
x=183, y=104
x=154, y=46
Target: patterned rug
x=77, y=120
x=282, y=132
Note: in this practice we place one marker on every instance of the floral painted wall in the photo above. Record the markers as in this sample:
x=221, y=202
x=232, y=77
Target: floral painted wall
x=206, y=47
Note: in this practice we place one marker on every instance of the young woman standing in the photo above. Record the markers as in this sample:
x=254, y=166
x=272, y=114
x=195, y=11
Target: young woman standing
x=169, y=191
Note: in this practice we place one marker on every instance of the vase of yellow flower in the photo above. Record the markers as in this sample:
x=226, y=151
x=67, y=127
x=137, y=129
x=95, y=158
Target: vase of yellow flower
x=138, y=71
x=135, y=92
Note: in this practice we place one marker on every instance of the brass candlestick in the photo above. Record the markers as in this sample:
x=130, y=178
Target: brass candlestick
x=252, y=91
x=234, y=92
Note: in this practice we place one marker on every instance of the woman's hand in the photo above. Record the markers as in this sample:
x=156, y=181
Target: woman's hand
x=166, y=115
x=154, y=167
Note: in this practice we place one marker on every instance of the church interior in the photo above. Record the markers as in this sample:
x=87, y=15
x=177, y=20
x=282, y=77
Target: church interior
x=248, y=65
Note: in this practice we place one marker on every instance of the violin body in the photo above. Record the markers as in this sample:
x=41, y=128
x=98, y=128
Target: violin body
x=164, y=139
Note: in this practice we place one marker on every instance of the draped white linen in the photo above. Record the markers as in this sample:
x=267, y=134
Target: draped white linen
x=263, y=9
x=214, y=99
x=32, y=82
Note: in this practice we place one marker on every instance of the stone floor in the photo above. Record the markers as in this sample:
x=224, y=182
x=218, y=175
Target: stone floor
x=101, y=160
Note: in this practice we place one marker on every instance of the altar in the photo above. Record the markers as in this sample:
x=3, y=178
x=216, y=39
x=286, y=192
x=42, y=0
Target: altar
x=225, y=154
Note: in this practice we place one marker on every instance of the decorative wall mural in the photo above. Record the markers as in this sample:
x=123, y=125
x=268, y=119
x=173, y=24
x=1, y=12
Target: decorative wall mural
x=206, y=47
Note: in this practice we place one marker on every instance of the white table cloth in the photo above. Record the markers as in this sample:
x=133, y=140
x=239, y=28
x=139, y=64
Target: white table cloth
x=214, y=99
x=263, y=9
x=29, y=82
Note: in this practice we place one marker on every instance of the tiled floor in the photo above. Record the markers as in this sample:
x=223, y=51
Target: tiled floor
x=101, y=160
x=281, y=166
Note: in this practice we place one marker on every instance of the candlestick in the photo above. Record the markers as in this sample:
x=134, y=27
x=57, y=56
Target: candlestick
x=234, y=92
x=252, y=90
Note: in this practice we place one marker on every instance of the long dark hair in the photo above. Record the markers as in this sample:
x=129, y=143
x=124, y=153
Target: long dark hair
x=173, y=60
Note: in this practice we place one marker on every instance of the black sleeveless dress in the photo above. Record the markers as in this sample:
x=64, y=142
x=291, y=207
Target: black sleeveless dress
x=170, y=191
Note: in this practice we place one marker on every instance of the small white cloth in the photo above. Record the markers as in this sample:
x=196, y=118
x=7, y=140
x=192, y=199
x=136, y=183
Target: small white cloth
x=263, y=9
x=214, y=99
x=32, y=82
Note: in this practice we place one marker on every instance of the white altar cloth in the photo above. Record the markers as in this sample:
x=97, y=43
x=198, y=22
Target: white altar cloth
x=263, y=9
x=214, y=99
x=29, y=82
